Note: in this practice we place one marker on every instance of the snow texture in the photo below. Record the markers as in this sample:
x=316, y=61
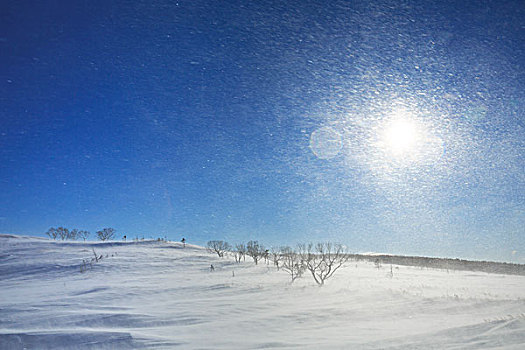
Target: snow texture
x=159, y=295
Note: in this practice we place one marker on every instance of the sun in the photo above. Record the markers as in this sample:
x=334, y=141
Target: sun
x=400, y=136
x=404, y=139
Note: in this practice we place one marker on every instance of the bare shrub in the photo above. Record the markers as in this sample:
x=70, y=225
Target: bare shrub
x=390, y=274
x=88, y=263
x=218, y=247
x=97, y=258
x=84, y=266
x=323, y=260
x=377, y=263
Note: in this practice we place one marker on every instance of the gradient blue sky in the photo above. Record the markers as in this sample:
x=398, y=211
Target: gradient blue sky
x=266, y=120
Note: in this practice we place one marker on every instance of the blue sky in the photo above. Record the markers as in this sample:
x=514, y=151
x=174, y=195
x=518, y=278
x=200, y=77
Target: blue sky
x=384, y=125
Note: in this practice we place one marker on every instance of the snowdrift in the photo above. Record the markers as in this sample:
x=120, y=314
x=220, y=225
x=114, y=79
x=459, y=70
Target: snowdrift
x=159, y=295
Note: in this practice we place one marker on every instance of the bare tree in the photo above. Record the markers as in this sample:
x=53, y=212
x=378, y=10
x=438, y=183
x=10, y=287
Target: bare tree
x=65, y=234
x=73, y=234
x=83, y=234
x=291, y=263
x=62, y=233
x=266, y=256
x=52, y=233
x=255, y=250
x=218, y=247
x=323, y=260
x=240, y=252
x=106, y=234
x=277, y=255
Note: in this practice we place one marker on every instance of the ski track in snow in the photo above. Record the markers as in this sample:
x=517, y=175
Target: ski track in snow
x=160, y=295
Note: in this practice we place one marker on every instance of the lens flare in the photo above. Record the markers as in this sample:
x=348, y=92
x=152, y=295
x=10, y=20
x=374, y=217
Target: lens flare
x=326, y=143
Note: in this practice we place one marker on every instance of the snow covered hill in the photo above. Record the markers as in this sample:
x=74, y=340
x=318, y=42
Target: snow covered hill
x=159, y=295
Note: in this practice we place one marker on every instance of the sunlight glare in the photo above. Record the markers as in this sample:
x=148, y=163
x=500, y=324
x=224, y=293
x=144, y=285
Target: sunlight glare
x=401, y=136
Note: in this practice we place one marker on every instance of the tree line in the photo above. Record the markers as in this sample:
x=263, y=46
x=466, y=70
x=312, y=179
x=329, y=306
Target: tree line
x=320, y=260
x=63, y=234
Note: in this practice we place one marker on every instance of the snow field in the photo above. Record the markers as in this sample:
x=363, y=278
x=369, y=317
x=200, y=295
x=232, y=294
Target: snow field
x=163, y=296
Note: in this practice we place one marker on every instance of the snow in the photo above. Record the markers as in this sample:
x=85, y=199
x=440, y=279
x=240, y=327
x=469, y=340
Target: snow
x=160, y=295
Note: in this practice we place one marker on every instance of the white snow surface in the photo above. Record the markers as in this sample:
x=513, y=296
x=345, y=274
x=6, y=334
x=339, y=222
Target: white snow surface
x=159, y=295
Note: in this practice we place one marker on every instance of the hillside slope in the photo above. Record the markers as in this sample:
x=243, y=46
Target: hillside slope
x=163, y=296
